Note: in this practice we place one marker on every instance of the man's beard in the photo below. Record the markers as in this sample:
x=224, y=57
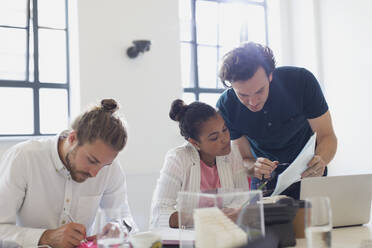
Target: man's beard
x=72, y=167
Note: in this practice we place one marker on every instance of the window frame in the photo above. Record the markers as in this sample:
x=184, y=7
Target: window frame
x=196, y=90
x=36, y=85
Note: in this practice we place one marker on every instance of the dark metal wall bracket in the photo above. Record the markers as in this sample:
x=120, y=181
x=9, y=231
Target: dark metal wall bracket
x=139, y=46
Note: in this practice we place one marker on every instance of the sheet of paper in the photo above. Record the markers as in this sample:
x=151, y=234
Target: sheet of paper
x=293, y=173
x=173, y=234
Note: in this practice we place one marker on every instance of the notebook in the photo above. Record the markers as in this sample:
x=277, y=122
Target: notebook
x=350, y=196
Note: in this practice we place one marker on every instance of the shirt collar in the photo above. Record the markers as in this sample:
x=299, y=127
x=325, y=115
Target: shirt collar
x=55, y=156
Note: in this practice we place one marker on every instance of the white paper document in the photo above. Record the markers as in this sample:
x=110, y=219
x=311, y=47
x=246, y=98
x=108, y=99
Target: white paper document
x=173, y=234
x=293, y=173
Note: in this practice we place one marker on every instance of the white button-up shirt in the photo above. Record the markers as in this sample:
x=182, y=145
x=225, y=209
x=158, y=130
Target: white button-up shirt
x=38, y=193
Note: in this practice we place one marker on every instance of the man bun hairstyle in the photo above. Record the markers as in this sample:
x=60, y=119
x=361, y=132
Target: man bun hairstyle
x=191, y=117
x=101, y=122
x=109, y=105
x=241, y=63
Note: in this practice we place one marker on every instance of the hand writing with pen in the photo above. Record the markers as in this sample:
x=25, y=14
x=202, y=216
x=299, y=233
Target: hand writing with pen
x=265, y=170
x=68, y=235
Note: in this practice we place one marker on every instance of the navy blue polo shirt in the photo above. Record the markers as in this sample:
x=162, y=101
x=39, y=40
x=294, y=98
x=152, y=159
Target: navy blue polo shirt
x=281, y=129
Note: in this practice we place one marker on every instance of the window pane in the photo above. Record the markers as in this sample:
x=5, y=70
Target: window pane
x=13, y=13
x=209, y=98
x=53, y=110
x=230, y=22
x=206, y=22
x=207, y=66
x=241, y=22
x=12, y=54
x=186, y=71
x=222, y=52
x=52, y=13
x=185, y=19
x=188, y=97
x=255, y=23
x=16, y=108
x=31, y=56
x=52, y=56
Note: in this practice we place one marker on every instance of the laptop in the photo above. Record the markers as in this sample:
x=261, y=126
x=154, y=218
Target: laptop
x=350, y=196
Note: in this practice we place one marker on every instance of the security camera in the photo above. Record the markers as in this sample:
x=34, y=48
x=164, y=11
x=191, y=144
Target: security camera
x=140, y=46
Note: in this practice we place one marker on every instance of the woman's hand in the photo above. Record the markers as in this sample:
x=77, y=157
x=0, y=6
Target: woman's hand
x=232, y=213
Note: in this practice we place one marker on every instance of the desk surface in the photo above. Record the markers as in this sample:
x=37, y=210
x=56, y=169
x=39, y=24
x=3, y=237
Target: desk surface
x=345, y=237
x=348, y=237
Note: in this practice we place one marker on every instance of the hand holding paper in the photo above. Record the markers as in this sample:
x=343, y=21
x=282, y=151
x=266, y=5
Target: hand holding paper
x=293, y=173
x=315, y=168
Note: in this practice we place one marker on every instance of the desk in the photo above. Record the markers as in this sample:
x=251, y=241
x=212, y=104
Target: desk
x=345, y=237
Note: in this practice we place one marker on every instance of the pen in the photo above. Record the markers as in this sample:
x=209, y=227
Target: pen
x=73, y=220
x=282, y=164
x=262, y=185
x=265, y=181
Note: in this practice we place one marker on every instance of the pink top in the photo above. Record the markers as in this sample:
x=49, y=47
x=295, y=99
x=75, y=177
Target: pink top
x=209, y=178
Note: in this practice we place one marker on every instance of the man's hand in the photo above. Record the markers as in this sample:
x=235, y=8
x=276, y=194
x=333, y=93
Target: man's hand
x=263, y=167
x=66, y=236
x=316, y=167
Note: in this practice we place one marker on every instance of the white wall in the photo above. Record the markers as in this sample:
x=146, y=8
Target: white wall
x=145, y=86
x=299, y=40
x=332, y=38
x=347, y=37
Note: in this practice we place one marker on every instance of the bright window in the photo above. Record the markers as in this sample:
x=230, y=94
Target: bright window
x=34, y=76
x=209, y=29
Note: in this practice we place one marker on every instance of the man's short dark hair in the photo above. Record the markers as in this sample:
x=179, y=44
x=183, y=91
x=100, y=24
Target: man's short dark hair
x=241, y=63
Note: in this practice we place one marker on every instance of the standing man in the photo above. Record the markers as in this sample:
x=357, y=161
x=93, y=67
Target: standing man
x=50, y=189
x=272, y=112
